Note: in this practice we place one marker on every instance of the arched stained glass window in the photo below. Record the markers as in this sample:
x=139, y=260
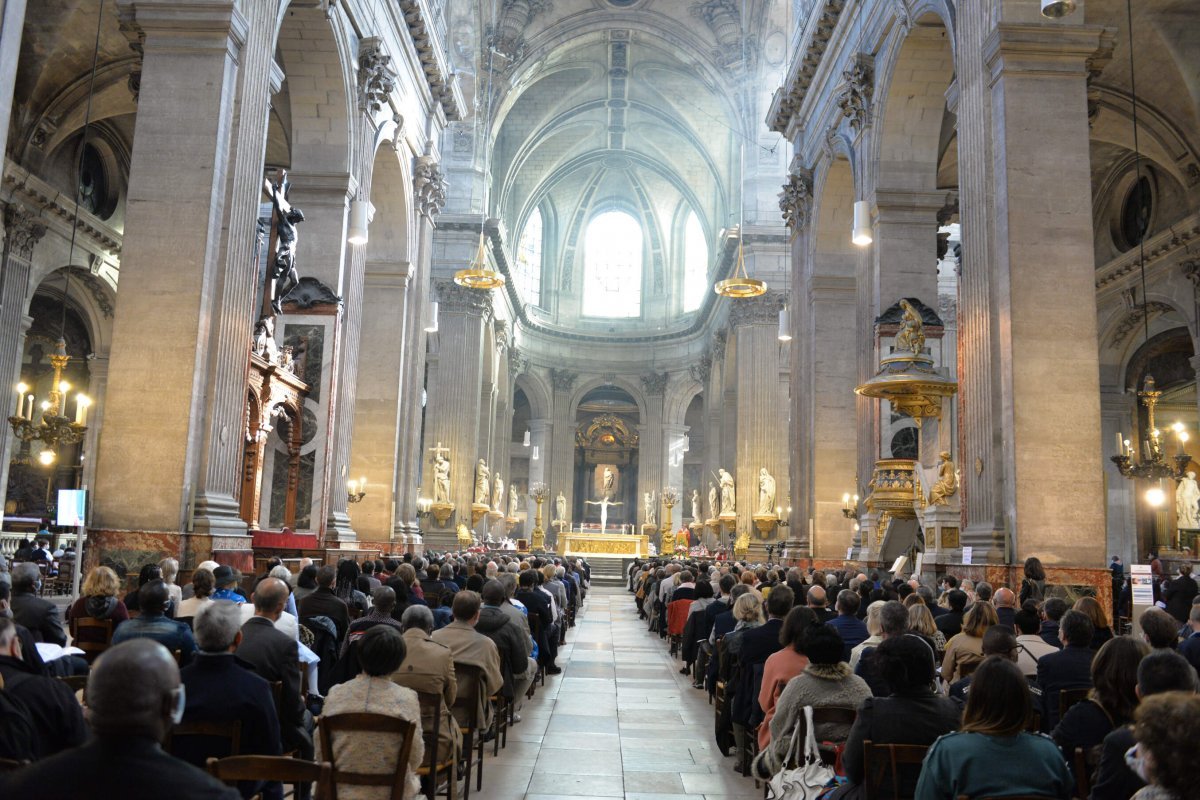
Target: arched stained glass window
x=612, y=266
x=528, y=272
x=695, y=263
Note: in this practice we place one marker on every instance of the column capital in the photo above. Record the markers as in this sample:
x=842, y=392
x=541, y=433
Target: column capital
x=376, y=77
x=455, y=299
x=655, y=382
x=563, y=380
x=763, y=310
x=22, y=231
x=1048, y=48
x=193, y=25
x=795, y=201
x=429, y=186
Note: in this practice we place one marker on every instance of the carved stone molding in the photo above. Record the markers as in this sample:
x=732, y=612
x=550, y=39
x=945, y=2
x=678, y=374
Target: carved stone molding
x=500, y=330
x=1191, y=271
x=455, y=299
x=310, y=292
x=724, y=17
x=720, y=340
x=762, y=310
x=517, y=363
x=790, y=96
x=655, y=382
x=22, y=231
x=507, y=37
x=429, y=186
x=795, y=201
x=437, y=72
x=1136, y=319
x=858, y=87
x=376, y=78
x=563, y=380
x=702, y=370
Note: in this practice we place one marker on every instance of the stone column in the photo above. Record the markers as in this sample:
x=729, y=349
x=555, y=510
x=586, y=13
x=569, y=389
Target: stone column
x=1041, y=340
x=429, y=192
x=761, y=421
x=452, y=412
x=12, y=25
x=652, y=449
x=22, y=232
x=562, y=444
x=171, y=268
x=97, y=391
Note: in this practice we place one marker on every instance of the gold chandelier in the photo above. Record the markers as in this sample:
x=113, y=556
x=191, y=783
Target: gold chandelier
x=740, y=285
x=478, y=275
x=52, y=427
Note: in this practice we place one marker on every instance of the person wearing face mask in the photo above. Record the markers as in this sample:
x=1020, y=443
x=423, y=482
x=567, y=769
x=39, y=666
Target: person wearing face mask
x=56, y=716
x=1167, y=728
x=134, y=698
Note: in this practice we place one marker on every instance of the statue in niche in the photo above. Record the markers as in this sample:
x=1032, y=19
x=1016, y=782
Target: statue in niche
x=766, y=492
x=610, y=481
x=560, y=507
x=482, y=481
x=695, y=505
x=287, y=217
x=441, y=478
x=946, y=485
x=713, y=507
x=498, y=493
x=911, y=336
x=728, y=498
x=648, y=506
x=1187, y=502
x=514, y=500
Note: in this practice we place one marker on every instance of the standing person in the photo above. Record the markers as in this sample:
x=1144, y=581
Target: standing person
x=1033, y=585
x=1180, y=593
x=992, y=734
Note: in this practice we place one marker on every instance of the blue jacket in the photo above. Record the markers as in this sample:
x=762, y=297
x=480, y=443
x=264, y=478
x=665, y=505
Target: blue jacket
x=852, y=630
x=167, y=632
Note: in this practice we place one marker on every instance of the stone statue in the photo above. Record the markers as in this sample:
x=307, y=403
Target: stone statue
x=912, y=331
x=695, y=505
x=482, y=479
x=766, y=492
x=287, y=217
x=946, y=485
x=441, y=479
x=1187, y=502
x=498, y=493
x=513, y=501
x=728, y=499
x=560, y=508
x=713, y=507
x=648, y=506
x=610, y=481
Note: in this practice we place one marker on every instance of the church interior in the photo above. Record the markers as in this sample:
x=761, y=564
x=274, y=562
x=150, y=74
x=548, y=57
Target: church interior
x=855, y=295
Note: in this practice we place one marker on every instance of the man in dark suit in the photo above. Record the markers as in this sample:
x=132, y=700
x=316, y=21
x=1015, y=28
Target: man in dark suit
x=852, y=629
x=40, y=616
x=56, y=715
x=818, y=602
x=275, y=656
x=324, y=603
x=222, y=688
x=1006, y=607
x=950, y=623
x=538, y=605
x=1052, y=612
x=133, y=701
x=1161, y=671
x=1069, y=668
x=1180, y=593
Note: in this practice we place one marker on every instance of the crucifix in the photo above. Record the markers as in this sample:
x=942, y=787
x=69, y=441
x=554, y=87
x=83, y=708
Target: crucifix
x=604, y=503
x=441, y=473
x=284, y=236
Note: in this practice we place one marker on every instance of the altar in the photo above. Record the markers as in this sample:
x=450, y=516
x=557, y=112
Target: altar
x=603, y=544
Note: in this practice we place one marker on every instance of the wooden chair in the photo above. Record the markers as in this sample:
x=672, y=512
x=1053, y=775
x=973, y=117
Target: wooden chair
x=295, y=771
x=1069, y=697
x=833, y=715
x=535, y=630
x=431, y=707
x=367, y=723
x=1084, y=764
x=968, y=668
x=502, y=715
x=230, y=730
x=471, y=687
x=881, y=759
x=74, y=682
x=93, y=636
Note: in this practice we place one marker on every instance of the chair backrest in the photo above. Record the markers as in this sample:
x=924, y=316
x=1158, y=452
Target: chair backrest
x=230, y=730
x=969, y=666
x=431, y=709
x=881, y=759
x=834, y=715
x=271, y=768
x=74, y=682
x=277, y=695
x=367, y=723
x=471, y=687
x=93, y=636
x=1069, y=697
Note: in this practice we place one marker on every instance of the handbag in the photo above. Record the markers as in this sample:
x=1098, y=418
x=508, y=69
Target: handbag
x=810, y=778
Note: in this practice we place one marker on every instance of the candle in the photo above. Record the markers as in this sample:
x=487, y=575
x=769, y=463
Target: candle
x=29, y=409
x=21, y=389
x=1120, y=444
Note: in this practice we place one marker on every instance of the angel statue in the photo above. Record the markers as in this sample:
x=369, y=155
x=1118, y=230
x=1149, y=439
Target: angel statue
x=947, y=482
x=912, y=331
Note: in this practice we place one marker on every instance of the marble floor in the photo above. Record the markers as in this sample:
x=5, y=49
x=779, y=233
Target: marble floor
x=620, y=721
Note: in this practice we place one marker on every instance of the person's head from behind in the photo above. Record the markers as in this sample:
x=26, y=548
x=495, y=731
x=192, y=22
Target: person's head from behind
x=779, y=602
x=1005, y=598
x=795, y=627
x=823, y=645
x=149, y=572
x=893, y=619
x=528, y=579
x=906, y=664
x=307, y=579
x=1075, y=629
x=983, y=591
x=847, y=603
x=727, y=583
x=1095, y=612
x=169, y=569
x=101, y=582
x=1167, y=727
x=466, y=607
x=270, y=596
x=1194, y=615
x=25, y=577
x=874, y=623
x=326, y=575
x=381, y=650
x=1165, y=671
x=748, y=607
x=218, y=626
x=493, y=593
x=1159, y=629
x=816, y=597
x=981, y=617
x=133, y=692
x=920, y=620
x=999, y=701
x=419, y=617
x=1114, y=675
x=1054, y=608
x=957, y=599
x=1034, y=570
x=999, y=640
x=153, y=597
x=704, y=590
x=406, y=574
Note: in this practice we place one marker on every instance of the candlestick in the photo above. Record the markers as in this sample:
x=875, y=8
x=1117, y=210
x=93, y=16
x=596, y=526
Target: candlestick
x=21, y=390
x=29, y=409
x=1120, y=444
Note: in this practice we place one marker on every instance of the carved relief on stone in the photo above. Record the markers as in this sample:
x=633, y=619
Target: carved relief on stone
x=655, y=382
x=429, y=186
x=795, y=201
x=724, y=17
x=720, y=339
x=507, y=37
x=376, y=78
x=1135, y=319
x=762, y=310
x=457, y=299
x=563, y=380
x=22, y=231
x=702, y=370
x=517, y=363
x=857, y=89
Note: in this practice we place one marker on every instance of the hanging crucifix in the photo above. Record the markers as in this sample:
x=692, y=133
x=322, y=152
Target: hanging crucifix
x=283, y=276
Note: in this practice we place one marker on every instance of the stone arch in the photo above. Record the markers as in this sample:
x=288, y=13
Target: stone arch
x=393, y=227
x=541, y=401
x=624, y=384
x=680, y=394
x=93, y=299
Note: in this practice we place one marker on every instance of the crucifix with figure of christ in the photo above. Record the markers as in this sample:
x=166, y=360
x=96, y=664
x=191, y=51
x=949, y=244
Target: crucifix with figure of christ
x=604, y=503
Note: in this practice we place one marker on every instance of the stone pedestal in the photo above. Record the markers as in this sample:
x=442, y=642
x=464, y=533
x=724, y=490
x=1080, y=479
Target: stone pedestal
x=941, y=525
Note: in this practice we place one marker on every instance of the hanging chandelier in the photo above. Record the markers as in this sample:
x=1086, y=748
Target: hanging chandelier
x=1153, y=463
x=478, y=275
x=740, y=285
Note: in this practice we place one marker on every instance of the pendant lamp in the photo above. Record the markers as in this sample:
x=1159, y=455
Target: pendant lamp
x=1054, y=9
x=862, y=235
x=478, y=275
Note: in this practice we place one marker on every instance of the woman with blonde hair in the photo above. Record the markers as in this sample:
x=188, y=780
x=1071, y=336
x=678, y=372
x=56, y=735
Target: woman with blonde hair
x=874, y=627
x=964, y=651
x=170, y=570
x=921, y=621
x=1101, y=632
x=97, y=600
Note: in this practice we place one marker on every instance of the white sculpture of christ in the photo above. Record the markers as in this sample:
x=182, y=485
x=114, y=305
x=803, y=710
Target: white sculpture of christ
x=604, y=503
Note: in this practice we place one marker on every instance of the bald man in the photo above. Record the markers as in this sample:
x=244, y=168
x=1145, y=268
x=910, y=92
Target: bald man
x=817, y=602
x=1005, y=601
x=134, y=698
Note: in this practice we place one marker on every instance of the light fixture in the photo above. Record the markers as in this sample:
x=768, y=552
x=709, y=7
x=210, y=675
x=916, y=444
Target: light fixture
x=1155, y=496
x=850, y=506
x=1055, y=9
x=536, y=454
x=785, y=332
x=478, y=275
x=431, y=324
x=360, y=219
x=46, y=457
x=356, y=490
x=862, y=235
x=1152, y=462
x=527, y=437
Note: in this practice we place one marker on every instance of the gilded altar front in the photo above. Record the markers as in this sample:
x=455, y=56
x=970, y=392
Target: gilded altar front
x=604, y=544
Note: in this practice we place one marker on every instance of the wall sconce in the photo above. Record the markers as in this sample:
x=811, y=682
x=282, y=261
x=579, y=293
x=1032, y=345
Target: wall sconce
x=356, y=490
x=1055, y=9
x=850, y=506
x=785, y=330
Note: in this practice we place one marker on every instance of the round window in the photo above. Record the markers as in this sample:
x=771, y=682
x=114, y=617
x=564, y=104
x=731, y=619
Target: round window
x=1135, y=212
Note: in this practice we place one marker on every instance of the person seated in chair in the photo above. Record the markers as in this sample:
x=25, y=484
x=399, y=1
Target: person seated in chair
x=56, y=715
x=153, y=623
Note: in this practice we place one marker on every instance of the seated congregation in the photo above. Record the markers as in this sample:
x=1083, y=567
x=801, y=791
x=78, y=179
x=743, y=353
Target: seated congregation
x=845, y=685
x=390, y=678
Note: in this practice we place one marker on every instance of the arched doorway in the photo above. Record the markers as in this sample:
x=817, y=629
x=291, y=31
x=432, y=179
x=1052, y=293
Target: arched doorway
x=606, y=457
